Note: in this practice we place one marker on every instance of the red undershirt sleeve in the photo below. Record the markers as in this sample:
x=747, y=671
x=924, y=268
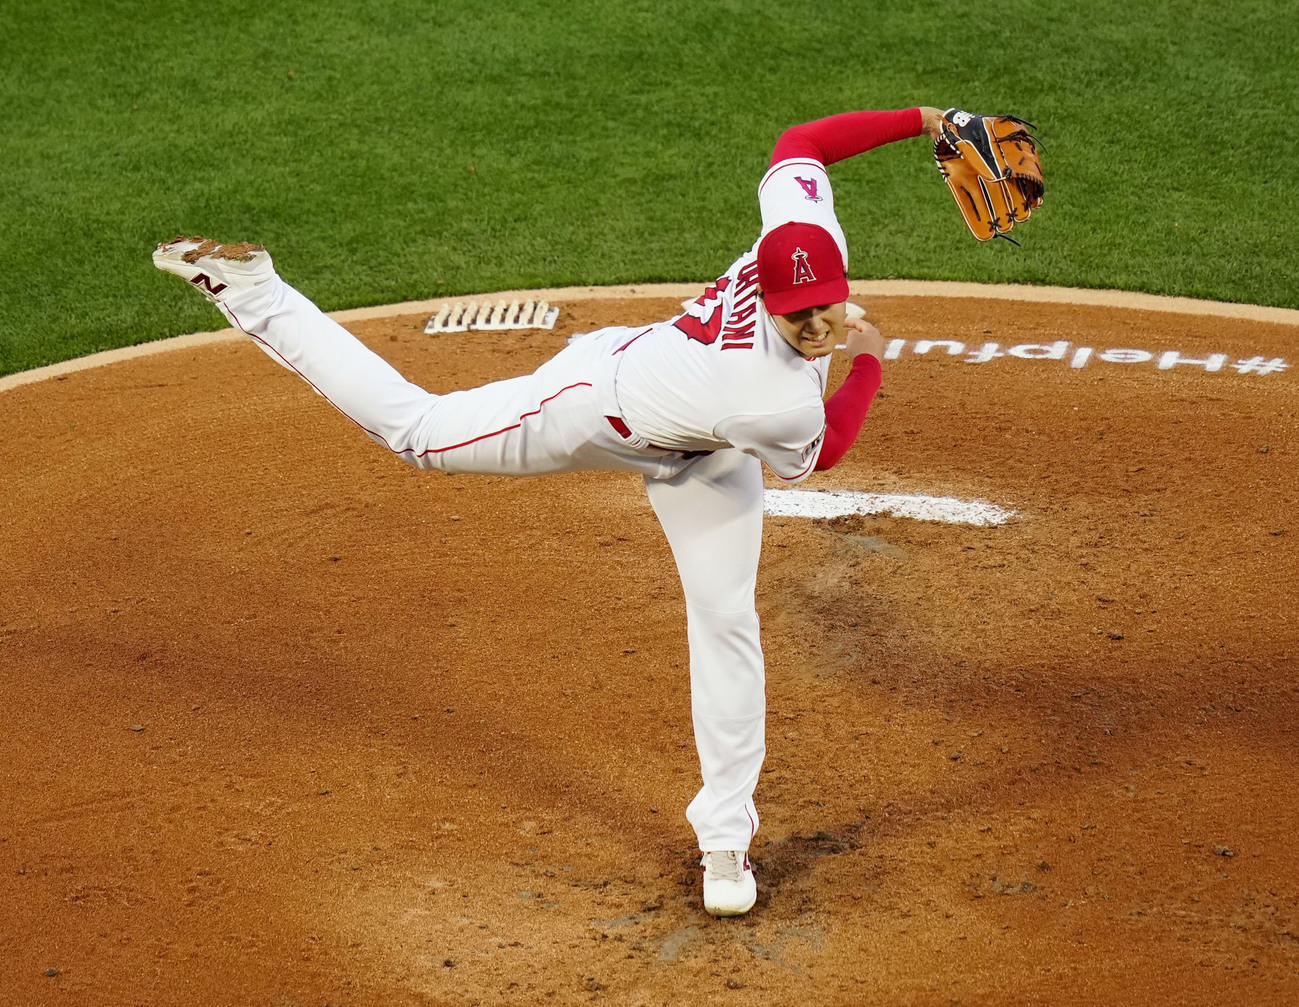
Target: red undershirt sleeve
x=841, y=136
x=845, y=410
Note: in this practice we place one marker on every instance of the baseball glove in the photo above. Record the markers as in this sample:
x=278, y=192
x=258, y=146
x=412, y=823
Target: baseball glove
x=991, y=165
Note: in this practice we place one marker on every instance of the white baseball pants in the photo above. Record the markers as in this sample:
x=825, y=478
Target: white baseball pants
x=557, y=420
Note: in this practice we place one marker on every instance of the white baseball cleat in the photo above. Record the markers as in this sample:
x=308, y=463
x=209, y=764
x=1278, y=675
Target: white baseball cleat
x=729, y=887
x=217, y=271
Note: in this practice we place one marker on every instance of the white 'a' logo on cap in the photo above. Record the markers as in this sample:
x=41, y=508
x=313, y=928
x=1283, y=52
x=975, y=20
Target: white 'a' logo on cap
x=802, y=271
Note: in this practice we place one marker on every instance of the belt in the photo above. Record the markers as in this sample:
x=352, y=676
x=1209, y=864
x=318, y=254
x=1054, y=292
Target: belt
x=624, y=431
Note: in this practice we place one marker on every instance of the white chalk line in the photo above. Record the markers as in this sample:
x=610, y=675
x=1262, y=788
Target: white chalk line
x=840, y=503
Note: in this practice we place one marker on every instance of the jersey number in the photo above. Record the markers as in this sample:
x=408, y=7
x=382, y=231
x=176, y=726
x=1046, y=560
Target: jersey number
x=703, y=319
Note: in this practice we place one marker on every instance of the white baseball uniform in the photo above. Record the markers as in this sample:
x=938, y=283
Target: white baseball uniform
x=693, y=404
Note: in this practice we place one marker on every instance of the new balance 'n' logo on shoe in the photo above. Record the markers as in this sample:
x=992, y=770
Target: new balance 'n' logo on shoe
x=216, y=271
x=205, y=281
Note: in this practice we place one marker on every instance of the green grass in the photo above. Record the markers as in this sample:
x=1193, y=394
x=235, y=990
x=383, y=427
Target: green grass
x=392, y=150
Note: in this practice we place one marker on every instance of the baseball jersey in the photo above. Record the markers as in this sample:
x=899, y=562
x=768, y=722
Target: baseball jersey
x=721, y=374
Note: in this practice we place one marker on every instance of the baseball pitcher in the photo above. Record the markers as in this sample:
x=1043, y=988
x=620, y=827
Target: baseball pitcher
x=696, y=405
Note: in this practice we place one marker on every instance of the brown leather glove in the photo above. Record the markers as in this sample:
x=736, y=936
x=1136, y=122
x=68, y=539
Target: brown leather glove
x=991, y=165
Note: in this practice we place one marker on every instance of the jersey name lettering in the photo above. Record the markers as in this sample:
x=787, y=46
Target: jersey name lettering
x=740, y=315
x=747, y=277
x=738, y=333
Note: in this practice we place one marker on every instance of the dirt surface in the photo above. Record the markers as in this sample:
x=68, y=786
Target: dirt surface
x=289, y=723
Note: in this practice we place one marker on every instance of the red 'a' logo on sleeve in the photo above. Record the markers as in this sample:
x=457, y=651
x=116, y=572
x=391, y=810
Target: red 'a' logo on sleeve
x=809, y=186
x=802, y=271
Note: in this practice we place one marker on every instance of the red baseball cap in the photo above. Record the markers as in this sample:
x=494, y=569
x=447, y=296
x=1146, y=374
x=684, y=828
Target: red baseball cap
x=800, y=266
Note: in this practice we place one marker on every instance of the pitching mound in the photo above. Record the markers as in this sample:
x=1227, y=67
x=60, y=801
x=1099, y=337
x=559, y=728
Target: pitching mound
x=290, y=723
